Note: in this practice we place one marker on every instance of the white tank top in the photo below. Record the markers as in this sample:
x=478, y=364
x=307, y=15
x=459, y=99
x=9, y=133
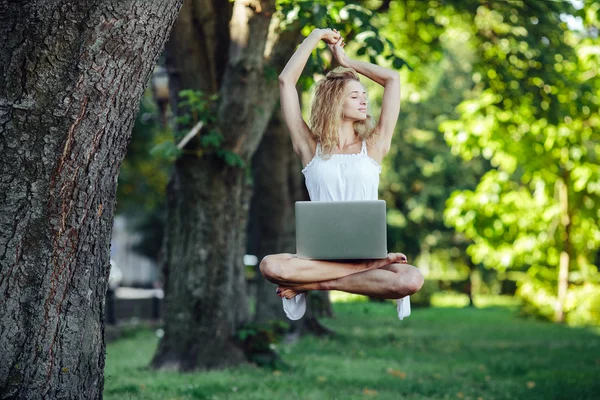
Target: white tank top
x=343, y=177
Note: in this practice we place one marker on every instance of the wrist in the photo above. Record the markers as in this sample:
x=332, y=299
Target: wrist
x=317, y=32
x=345, y=62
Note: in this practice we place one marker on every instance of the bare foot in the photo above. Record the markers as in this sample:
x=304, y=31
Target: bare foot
x=288, y=292
x=397, y=258
x=391, y=258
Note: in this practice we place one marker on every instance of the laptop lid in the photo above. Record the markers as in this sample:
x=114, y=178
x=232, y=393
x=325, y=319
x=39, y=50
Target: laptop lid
x=341, y=230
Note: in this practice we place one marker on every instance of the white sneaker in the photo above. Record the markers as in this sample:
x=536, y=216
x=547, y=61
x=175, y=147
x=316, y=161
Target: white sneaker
x=403, y=307
x=295, y=307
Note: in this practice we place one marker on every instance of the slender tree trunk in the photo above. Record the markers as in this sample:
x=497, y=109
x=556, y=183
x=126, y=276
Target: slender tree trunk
x=72, y=75
x=206, y=297
x=565, y=255
x=470, y=282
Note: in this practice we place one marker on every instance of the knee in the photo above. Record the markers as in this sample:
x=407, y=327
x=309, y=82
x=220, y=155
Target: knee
x=408, y=282
x=270, y=268
x=415, y=280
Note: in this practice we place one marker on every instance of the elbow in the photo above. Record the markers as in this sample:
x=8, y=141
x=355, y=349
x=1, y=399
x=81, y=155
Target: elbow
x=284, y=79
x=385, y=149
x=393, y=78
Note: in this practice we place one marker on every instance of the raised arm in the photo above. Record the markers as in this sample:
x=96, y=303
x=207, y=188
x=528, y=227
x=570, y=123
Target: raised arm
x=302, y=139
x=390, y=80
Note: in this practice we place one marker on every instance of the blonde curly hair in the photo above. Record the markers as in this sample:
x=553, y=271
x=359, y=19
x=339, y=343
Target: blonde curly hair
x=326, y=110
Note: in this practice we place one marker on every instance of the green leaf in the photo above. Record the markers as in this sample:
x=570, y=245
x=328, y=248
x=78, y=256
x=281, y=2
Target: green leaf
x=398, y=63
x=212, y=139
x=232, y=159
x=167, y=150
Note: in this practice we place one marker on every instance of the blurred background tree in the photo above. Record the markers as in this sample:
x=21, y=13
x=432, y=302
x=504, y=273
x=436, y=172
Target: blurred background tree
x=143, y=179
x=533, y=113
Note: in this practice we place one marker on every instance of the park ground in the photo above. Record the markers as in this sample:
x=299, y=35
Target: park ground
x=488, y=352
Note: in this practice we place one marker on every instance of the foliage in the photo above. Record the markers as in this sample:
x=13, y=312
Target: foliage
x=423, y=297
x=355, y=20
x=420, y=172
x=533, y=113
x=142, y=178
x=259, y=342
x=437, y=353
x=196, y=107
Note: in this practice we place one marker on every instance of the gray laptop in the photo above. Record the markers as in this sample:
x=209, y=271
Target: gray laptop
x=341, y=230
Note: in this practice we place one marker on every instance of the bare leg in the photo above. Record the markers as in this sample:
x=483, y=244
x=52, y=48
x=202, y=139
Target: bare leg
x=288, y=270
x=393, y=281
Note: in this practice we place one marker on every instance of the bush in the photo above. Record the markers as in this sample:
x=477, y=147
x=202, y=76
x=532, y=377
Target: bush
x=582, y=305
x=259, y=340
x=423, y=297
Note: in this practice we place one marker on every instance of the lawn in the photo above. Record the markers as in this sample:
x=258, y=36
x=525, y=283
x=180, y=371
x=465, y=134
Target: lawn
x=437, y=353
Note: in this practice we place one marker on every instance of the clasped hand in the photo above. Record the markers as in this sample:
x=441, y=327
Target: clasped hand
x=336, y=44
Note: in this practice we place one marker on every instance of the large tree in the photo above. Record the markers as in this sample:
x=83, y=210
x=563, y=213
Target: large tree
x=72, y=74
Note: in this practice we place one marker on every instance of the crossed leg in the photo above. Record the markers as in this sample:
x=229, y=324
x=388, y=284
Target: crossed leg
x=385, y=278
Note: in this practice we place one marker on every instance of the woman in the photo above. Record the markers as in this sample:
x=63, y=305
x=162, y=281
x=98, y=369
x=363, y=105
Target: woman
x=341, y=153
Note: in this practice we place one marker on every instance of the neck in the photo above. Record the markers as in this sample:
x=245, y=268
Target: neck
x=346, y=134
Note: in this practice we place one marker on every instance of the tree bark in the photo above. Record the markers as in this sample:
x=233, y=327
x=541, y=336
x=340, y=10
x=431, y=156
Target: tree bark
x=207, y=203
x=72, y=74
x=205, y=298
x=196, y=52
x=270, y=228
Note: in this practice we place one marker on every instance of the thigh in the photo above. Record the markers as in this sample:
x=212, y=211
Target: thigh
x=280, y=257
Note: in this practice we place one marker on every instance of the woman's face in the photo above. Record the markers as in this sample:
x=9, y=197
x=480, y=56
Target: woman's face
x=355, y=101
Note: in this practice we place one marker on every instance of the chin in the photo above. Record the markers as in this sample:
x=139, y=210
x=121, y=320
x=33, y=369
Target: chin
x=358, y=117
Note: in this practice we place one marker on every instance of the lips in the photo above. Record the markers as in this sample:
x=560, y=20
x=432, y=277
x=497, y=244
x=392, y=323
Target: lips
x=362, y=109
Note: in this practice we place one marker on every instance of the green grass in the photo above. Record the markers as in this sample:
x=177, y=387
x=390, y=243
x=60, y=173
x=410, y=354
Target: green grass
x=437, y=353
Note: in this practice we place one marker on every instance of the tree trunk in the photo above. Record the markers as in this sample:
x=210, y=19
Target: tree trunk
x=270, y=227
x=72, y=76
x=278, y=183
x=565, y=255
x=470, y=281
x=206, y=297
x=205, y=291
